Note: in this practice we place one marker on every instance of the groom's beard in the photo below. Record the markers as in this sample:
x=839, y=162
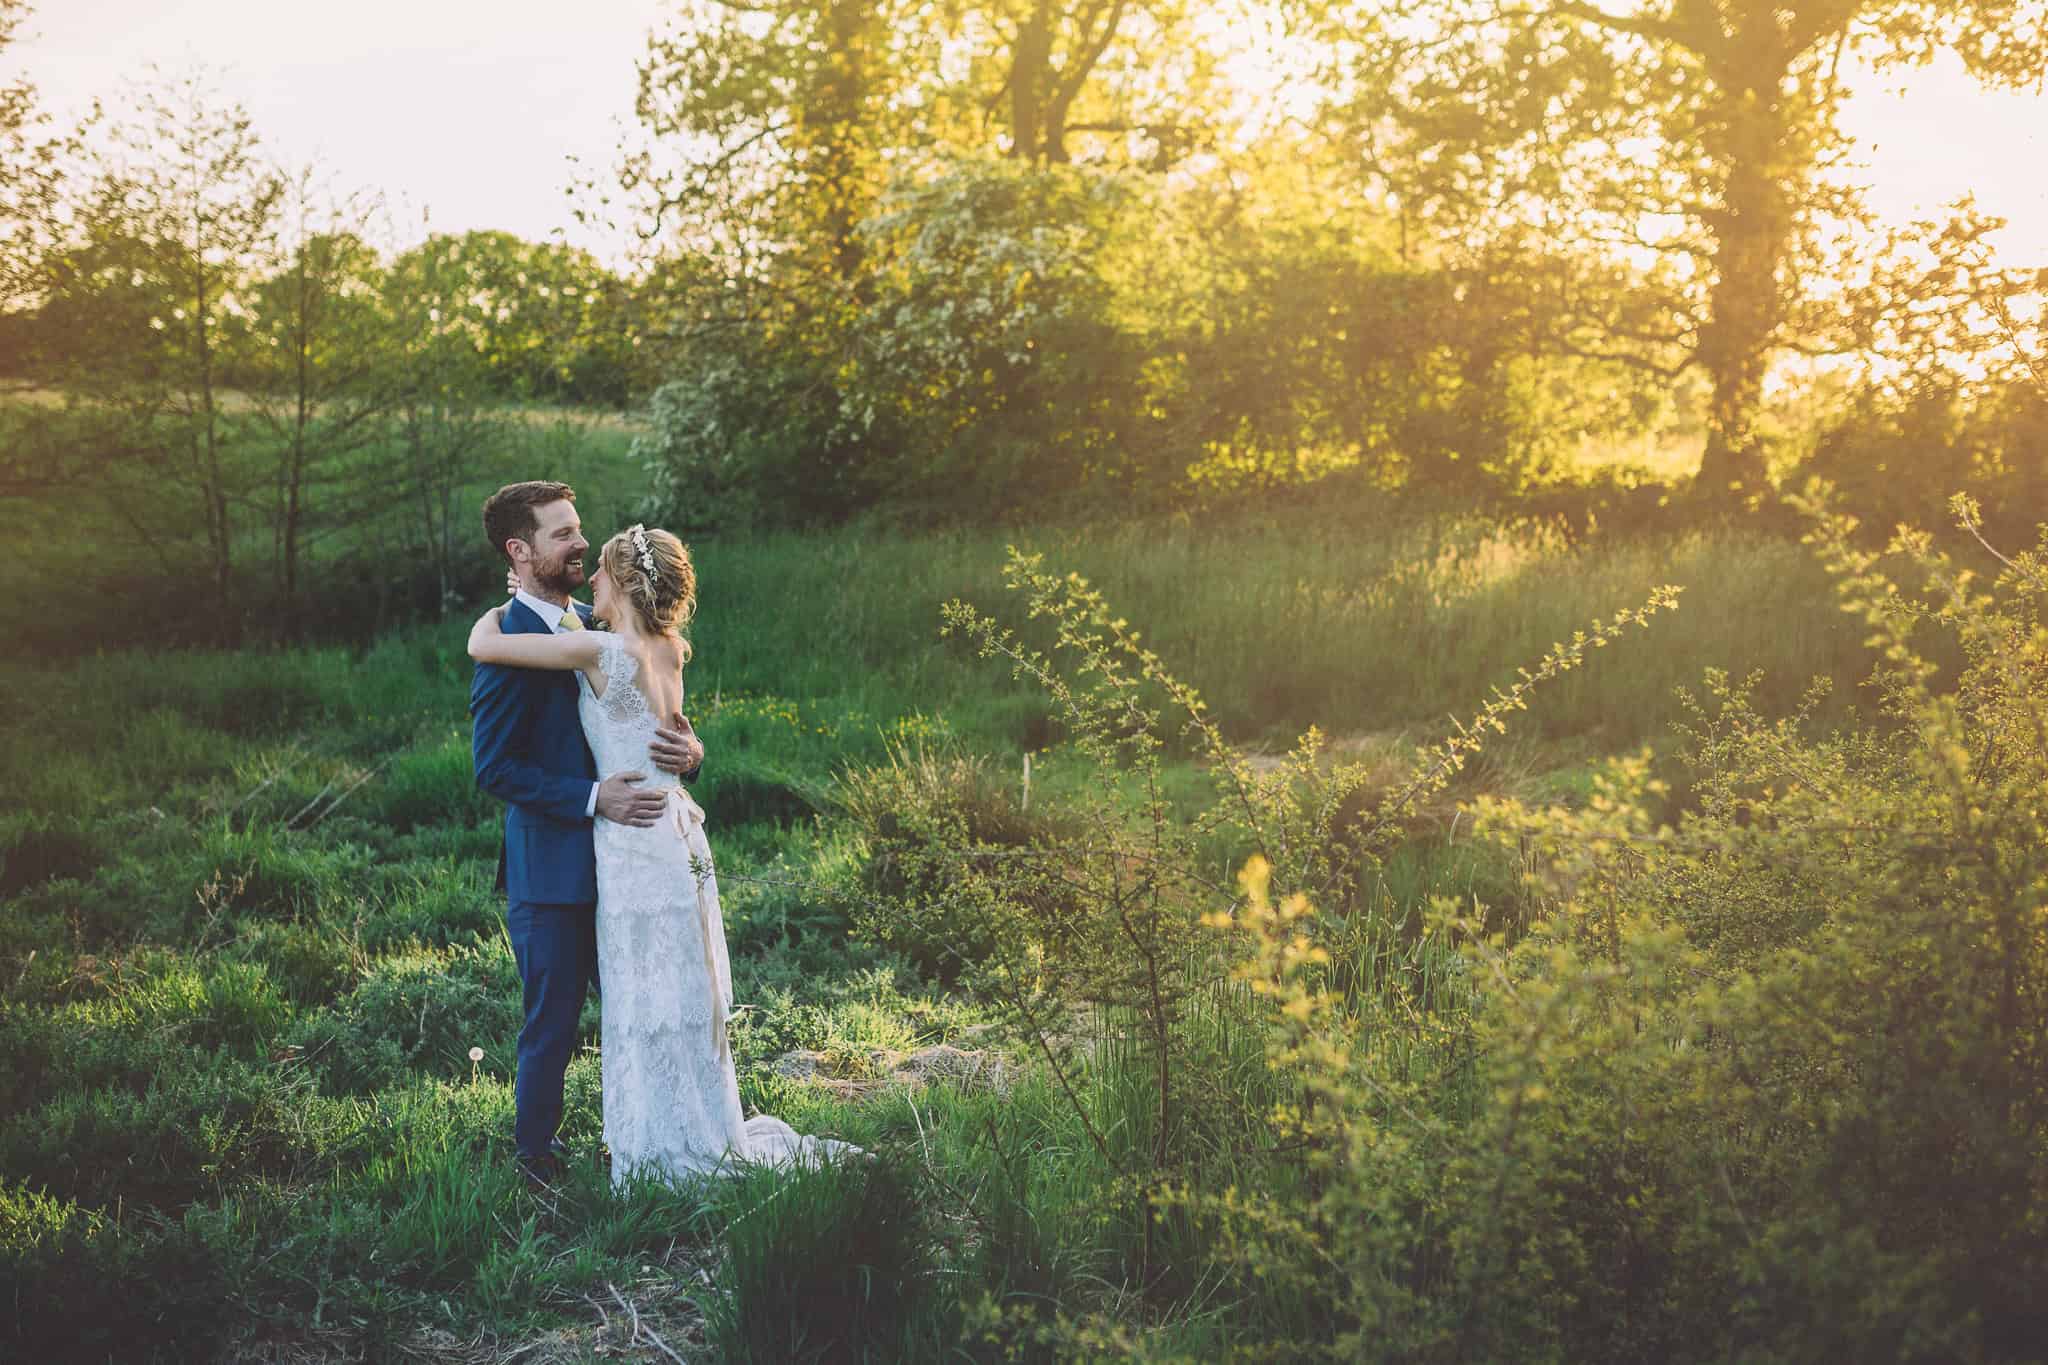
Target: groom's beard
x=561, y=578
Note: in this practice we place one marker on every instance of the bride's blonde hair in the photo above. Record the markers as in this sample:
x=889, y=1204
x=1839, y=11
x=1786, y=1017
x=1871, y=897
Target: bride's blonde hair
x=653, y=569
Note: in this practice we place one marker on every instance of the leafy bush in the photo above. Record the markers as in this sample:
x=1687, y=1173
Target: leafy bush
x=1108, y=940
x=1764, y=1085
x=939, y=796
x=776, y=1023
x=1894, y=462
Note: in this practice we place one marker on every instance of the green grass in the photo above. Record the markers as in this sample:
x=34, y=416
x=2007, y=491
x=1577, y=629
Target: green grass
x=1356, y=630
x=248, y=933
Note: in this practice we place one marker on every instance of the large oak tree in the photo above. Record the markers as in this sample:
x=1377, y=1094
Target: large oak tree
x=1693, y=144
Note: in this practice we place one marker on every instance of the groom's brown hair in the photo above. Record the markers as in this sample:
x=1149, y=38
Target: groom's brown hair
x=510, y=511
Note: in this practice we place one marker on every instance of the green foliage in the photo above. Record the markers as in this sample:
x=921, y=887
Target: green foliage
x=994, y=351
x=36, y=850
x=417, y=1011
x=1112, y=925
x=170, y=1285
x=192, y=1126
x=1750, y=1085
x=1777, y=1057
x=1048, y=337
x=1323, y=588
x=828, y=1263
x=1895, y=462
x=152, y=1011
x=1632, y=184
x=923, y=797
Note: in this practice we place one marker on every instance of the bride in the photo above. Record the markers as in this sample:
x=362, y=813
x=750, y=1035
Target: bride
x=671, y=1098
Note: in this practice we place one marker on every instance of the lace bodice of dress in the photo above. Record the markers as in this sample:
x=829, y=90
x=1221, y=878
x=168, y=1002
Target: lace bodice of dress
x=620, y=725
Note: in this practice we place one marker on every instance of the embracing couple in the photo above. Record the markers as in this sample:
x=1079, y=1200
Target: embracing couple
x=607, y=874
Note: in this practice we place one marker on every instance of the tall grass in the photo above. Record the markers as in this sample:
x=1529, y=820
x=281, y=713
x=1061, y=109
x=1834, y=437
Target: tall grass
x=1371, y=629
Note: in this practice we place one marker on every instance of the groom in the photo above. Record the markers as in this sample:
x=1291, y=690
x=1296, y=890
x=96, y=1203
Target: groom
x=530, y=753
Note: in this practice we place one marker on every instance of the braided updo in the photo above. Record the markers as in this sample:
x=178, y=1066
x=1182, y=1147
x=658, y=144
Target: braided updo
x=666, y=595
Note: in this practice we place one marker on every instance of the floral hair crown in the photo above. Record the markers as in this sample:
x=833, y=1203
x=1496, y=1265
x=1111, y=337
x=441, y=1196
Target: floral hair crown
x=641, y=550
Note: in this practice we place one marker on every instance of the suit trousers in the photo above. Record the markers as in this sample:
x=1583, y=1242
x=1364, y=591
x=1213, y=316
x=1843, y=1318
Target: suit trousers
x=555, y=947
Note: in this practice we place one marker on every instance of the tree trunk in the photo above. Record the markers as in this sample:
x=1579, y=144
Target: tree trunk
x=1753, y=230
x=1482, y=420
x=213, y=482
x=302, y=418
x=834, y=133
x=1030, y=75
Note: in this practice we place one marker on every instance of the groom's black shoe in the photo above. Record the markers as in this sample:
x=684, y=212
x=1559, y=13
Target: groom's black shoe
x=543, y=1173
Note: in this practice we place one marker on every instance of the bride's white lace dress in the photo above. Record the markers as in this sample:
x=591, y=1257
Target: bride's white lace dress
x=671, y=1099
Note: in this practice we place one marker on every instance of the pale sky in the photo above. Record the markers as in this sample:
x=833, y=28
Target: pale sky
x=470, y=109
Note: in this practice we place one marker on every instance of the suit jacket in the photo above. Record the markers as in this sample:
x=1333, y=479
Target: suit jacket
x=529, y=752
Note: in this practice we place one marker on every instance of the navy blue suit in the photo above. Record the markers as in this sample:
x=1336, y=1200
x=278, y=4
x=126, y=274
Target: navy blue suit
x=530, y=753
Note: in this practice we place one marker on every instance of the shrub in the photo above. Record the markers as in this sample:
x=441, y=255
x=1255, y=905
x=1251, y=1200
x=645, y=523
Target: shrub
x=937, y=795
x=1110, y=939
x=1895, y=463
x=1766, y=1085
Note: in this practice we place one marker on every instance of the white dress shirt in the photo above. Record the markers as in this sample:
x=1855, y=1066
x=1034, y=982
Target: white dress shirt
x=552, y=616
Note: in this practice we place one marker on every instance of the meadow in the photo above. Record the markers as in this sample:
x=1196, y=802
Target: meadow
x=257, y=1035
x=1303, y=744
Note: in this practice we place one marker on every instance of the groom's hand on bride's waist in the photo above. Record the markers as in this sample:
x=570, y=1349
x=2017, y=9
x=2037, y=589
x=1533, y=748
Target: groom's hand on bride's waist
x=676, y=748
x=619, y=801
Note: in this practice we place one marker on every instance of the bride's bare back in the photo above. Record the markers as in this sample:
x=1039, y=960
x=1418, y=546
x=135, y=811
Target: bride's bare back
x=658, y=673
x=660, y=678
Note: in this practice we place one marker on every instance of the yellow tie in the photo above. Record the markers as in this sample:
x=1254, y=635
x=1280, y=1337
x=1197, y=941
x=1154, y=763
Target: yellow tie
x=571, y=620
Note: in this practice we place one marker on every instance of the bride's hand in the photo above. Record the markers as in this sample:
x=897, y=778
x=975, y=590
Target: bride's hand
x=511, y=581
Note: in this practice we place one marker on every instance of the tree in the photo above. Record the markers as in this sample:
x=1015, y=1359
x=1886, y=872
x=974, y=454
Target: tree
x=790, y=117
x=1952, y=391
x=17, y=112
x=817, y=165
x=992, y=354
x=33, y=161
x=1132, y=78
x=319, y=376
x=26, y=170
x=444, y=427
x=148, y=306
x=768, y=126
x=1699, y=135
x=533, y=312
